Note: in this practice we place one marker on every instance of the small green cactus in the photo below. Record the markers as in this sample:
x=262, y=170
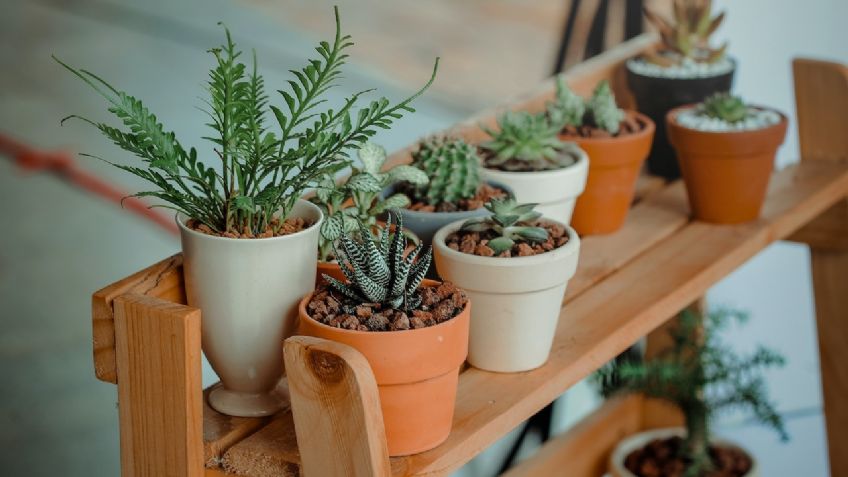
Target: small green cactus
x=511, y=221
x=452, y=166
x=526, y=141
x=603, y=110
x=688, y=35
x=726, y=107
x=379, y=272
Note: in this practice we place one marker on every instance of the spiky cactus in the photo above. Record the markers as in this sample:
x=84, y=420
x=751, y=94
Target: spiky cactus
x=510, y=221
x=526, y=141
x=687, y=36
x=379, y=272
x=603, y=110
x=452, y=166
x=726, y=107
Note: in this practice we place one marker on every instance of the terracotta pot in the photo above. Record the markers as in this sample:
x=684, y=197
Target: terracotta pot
x=555, y=191
x=726, y=173
x=248, y=291
x=637, y=441
x=517, y=301
x=656, y=96
x=614, y=165
x=417, y=372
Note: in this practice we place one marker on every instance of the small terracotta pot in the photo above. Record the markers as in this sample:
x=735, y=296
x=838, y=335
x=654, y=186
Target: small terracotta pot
x=614, y=165
x=726, y=173
x=417, y=372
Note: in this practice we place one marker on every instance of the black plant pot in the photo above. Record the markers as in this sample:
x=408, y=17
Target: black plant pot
x=657, y=96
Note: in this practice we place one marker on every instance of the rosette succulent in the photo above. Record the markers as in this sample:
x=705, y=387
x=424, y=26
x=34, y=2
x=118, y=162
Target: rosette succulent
x=511, y=221
x=726, y=107
x=687, y=36
x=528, y=142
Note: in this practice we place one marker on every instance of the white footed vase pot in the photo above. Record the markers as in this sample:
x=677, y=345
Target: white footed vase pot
x=248, y=291
x=626, y=446
x=555, y=191
x=517, y=300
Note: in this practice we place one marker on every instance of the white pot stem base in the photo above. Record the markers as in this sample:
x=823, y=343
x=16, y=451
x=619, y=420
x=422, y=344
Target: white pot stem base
x=245, y=404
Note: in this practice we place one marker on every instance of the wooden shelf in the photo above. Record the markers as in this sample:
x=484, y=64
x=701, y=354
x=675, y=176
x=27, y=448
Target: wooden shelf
x=627, y=284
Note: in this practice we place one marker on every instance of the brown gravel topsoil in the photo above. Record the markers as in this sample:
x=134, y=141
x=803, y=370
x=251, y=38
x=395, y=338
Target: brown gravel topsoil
x=290, y=226
x=629, y=125
x=438, y=304
x=475, y=242
x=517, y=165
x=659, y=458
x=484, y=194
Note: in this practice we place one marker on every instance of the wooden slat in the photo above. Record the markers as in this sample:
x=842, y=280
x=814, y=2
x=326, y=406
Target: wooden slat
x=163, y=280
x=627, y=305
x=583, y=450
x=159, y=387
x=220, y=432
x=336, y=409
x=270, y=452
x=821, y=99
x=829, y=231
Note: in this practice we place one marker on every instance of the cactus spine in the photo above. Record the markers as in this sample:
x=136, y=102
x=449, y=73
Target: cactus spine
x=452, y=166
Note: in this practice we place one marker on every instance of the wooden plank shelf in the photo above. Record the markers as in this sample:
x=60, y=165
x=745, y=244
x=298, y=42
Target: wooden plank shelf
x=627, y=284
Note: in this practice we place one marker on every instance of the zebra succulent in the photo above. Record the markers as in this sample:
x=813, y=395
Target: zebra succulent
x=528, y=142
x=687, y=37
x=603, y=110
x=452, y=166
x=510, y=221
x=380, y=272
x=599, y=111
x=726, y=107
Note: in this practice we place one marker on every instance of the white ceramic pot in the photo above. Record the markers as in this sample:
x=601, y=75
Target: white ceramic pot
x=555, y=191
x=248, y=291
x=517, y=300
x=637, y=441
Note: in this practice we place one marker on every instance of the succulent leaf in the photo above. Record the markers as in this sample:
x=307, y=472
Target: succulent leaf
x=511, y=221
x=605, y=113
x=526, y=141
x=726, y=107
x=688, y=35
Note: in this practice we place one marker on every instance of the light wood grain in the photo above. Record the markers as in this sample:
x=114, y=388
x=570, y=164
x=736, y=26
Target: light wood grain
x=159, y=387
x=270, y=452
x=163, y=280
x=821, y=100
x=336, y=410
x=220, y=432
x=828, y=231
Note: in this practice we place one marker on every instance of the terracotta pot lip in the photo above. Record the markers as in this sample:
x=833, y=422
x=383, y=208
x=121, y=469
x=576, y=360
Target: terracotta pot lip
x=301, y=307
x=456, y=213
x=693, y=78
x=642, y=133
x=180, y=219
x=563, y=171
x=572, y=246
x=671, y=119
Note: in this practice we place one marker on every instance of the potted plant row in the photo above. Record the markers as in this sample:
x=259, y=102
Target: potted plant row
x=617, y=143
x=701, y=377
x=249, y=240
x=726, y=149
x=684, y=69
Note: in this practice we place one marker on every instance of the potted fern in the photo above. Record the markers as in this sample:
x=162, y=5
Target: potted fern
x=358, y=202
x=526, y=154
x=617, y=143
x=726, y=149
x=454, y=190
x=515, y=266
x=701, y=377
x=412, y=331
x=684, y=69
x=248, y=239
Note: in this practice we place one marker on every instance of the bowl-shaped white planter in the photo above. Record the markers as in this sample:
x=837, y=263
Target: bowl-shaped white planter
x=248, y=291
x=555, y=191
x=517, y=300
x=637, y=441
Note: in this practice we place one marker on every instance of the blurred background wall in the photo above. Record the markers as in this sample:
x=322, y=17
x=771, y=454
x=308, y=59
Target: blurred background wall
x=58, y=244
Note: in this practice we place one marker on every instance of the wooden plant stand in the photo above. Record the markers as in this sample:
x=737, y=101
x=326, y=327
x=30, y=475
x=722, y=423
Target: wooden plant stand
x=147, y=340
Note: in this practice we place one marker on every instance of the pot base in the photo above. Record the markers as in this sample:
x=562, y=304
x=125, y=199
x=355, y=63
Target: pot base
x=242, y=404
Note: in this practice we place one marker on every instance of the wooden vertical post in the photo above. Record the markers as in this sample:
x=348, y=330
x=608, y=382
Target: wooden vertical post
x=336, y=408
x=821, y=96
x=160, y=396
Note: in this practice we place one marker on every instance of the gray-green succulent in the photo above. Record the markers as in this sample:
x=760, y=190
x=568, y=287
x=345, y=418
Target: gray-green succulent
x=528, y=142
x=568, y=108
x=379, y=272
x=511, y=221
x=603, y=110
x=726, y=107
x=452, y=166
x=599, y=111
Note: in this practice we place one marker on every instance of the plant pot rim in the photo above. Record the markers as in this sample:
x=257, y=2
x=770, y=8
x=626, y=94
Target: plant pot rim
x=581, y=163
x=693, y=78
x=571, y=247
x=671, y=119
x=456, y=213
x=301, y=308
x=181, y=218
x=645, y=131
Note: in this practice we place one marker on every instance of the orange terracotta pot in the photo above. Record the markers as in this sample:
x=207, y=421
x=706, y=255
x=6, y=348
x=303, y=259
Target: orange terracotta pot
x=330, y=268
x=417, y=372
x=614, y=165
x=726, y=173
